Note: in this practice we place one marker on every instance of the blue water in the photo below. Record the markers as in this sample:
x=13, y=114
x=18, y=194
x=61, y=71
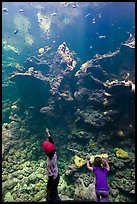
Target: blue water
x=113, y=20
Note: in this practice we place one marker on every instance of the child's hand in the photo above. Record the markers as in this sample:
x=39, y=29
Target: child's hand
x=47, y=130
x=104, y=160
x=87, y=158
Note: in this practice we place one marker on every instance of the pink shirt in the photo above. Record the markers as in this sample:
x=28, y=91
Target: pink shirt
x=52, y=167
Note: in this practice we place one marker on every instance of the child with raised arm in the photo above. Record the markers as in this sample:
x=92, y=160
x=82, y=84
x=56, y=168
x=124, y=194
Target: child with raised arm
x=52, y=169
x=100, y=168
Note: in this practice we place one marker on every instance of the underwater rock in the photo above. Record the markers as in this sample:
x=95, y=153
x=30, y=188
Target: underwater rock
x=83, y=68
x=119, y=164
x=4, y=178
x=8, y=197
x=118, y=59
x=117, y=87
x=99, y=98
x=95, y=118
x=29, y=75
x=71, y=169
x=10, y=184
x=132, y=192
x=67, y=96
x=81, y=94
x=90, y=82
x=27, y=83
x=95, y=71
x=82, y=135
x=39, y=196
x=84, y=193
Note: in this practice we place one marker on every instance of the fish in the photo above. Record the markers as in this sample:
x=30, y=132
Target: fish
x=87, y=15
x=107, y=94
x=53, y=14
x=99, y=15
x=102, y=36
x=11, y=58
x=74, y=5
x=92, y=144
x=46, y=109
x=93, y=20
x=21, y=10
x=31, y=107
x=5, y=10
x=16, y=31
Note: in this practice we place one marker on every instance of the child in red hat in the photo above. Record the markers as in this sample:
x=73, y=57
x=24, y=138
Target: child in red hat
x=52, y=169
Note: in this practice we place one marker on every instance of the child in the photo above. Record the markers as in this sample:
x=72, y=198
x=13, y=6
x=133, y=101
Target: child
x=52, y=169
x=100, y=168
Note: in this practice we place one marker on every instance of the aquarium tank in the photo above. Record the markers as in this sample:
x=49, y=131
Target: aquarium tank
x=68, y=67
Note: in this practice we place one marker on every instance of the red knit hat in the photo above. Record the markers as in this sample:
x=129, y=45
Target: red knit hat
x=48, y=147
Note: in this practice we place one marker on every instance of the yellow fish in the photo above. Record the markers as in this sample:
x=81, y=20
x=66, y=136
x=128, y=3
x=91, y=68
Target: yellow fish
x=92, y=144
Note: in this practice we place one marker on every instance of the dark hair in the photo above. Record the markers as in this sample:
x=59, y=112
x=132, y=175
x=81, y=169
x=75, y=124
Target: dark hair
x=51, y=154
x=98, y=162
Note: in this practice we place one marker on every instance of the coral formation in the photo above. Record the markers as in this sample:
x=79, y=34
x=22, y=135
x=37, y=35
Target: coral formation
x=78, y=161
x=121, y=153
x=82, y=103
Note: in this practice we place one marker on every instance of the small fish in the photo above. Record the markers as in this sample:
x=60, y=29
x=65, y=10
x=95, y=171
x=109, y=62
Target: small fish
x=5, y=10
x=31, y=107
x=74, y=5
x=99, y=15
x=21, y=10
x=16, y=31
x=119, y=28
x=11, y=58
x=107, y=94
x=92, y=144
x=46, y=109
x=87, y=15
x=40, y=20
x=102, y=36
x=53, y=14
x=90, y=46
x=93, y=20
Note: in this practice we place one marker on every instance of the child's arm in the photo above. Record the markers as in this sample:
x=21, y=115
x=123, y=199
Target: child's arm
x=106, y=163
x=49, y=136
x=88, y=163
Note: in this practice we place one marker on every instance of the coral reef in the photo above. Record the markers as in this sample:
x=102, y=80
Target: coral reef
x=78, y=161
x=121, y=153
x=85, y=106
